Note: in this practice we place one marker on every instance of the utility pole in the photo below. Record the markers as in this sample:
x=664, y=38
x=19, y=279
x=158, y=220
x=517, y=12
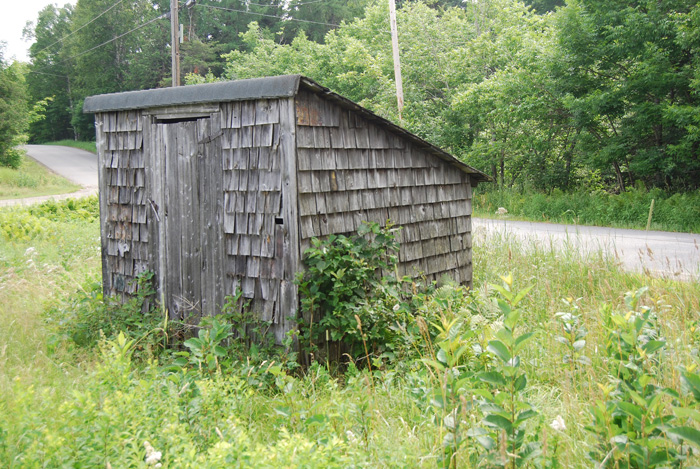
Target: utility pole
x=175, y=42
x=397, y=62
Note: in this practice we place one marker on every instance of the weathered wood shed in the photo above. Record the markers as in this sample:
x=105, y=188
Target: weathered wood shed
x=221, y=186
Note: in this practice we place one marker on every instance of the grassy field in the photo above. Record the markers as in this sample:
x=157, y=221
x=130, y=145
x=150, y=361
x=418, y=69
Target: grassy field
x=669, y=212
x=435, y=403
x=32, y=179
x=87, y=146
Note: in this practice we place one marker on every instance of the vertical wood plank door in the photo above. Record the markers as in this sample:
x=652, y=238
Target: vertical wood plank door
x=193, y=225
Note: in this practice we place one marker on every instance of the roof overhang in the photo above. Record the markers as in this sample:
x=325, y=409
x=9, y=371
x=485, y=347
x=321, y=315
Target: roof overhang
x=285, y=86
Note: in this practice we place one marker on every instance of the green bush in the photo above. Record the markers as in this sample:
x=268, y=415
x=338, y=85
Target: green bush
x=87, y=317
x=630, y=209
x=11, y=157
x=349, y=291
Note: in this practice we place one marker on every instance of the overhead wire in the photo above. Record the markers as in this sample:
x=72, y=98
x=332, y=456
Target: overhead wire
x=83, y=26
x=143, y=25
x=286, y=18
x=156, y=19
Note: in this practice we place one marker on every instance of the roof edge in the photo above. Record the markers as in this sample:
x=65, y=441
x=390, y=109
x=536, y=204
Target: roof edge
x=283, y=86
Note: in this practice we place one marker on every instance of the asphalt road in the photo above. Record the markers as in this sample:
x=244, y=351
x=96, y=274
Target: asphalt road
x=671, y=255
x=76, y=165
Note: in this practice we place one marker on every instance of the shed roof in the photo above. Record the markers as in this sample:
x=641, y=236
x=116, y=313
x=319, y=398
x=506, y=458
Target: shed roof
x=285, y=86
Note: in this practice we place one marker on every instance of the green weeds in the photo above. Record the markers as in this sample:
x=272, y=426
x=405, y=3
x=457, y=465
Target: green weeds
x=499, y=376
x=30, y=179
x=672, y=212
x=349, y=290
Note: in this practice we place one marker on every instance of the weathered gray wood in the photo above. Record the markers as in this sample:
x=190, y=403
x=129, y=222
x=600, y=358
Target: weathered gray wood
x=289, y=297
x=248, y=109
x=328, y=173
x=183, y=111
x=267, y=111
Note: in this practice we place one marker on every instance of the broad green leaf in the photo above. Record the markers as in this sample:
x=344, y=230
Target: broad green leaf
x=492, y=377
x=193, y=343
x=316, y=419
x=631, y=410
x=499, y=349
x=525, y=415
x=483, y=393
x=684, y=413
x=691, y=382
x=687, y=433
x=521, y=294
x=284, y=411
x=506, y=294
x=505, y=336
x=490, y=408
x=512, y=319
x=653, y=345
x=579, y=344
x=520, y=383
x=442, y=356
x=499, y=421
x=637, y=398
x=524, y=339
x=487, y=442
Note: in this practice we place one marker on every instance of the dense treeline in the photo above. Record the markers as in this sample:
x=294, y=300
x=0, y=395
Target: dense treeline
x=547, y=95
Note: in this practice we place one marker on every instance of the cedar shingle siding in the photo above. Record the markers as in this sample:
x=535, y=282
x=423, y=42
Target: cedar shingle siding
x=219, y=187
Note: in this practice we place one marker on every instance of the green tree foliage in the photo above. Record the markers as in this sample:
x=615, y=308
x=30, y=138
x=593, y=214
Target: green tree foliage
x=107, y=57
x=628, y=68
x=14, y=111
x=51, y=73
x=588, y=91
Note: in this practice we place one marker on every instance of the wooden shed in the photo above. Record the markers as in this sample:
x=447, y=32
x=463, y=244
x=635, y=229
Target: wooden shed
x=221, y=186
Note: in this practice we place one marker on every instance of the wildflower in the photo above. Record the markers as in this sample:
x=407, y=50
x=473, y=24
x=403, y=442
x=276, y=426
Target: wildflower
x=29, y=251
x=351, y=436
x=152, y=456
x=396, y=307
x=558, y=424
x=501, y=211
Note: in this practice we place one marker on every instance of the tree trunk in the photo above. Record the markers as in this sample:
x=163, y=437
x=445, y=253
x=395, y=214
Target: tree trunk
x=503, y=172
x=70, y=106
x=618, y=174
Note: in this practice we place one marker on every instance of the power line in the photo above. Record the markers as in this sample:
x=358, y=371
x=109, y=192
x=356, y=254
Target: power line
x=164, y=15
x=86, y=24
x=143, y=25
x=266, y=15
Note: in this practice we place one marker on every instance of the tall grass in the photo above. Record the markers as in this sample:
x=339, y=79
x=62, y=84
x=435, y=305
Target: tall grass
x=672, y=212
x=87, y=146
x=32, y=179
x=60, y=406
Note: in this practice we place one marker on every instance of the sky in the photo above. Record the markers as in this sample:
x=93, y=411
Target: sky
x=12, y=21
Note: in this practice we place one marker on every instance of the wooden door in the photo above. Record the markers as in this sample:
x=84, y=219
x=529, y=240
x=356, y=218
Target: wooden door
x=193, y=232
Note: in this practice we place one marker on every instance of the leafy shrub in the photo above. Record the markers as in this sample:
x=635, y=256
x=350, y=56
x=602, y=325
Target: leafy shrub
x=39, y=221
x=11, y=157
x=87, y=317
x=20, y=225
x=83, y=209
x=632, y=422
x=349, y=290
